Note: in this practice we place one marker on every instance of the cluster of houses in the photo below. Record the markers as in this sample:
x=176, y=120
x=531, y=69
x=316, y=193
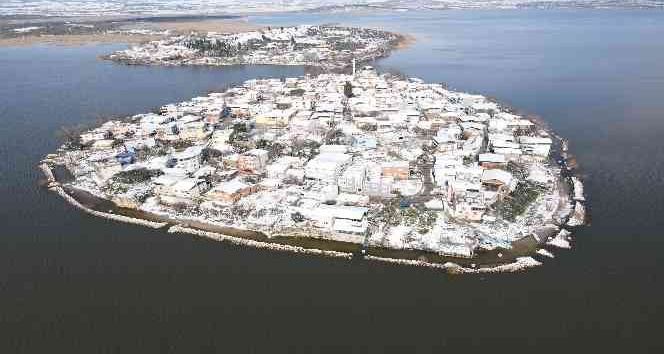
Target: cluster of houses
x=330, y=47
x=324, y=153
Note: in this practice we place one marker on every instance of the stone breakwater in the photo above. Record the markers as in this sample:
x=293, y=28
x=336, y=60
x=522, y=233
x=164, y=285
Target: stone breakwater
x=50, y=178
x=257, y=244
x=521, y=264
x=55, y=187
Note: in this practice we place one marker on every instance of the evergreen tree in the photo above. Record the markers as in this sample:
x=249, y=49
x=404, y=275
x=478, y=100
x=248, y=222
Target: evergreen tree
x=348, y=89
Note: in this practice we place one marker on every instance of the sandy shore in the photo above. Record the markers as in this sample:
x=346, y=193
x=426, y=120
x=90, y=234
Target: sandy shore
x=213, y=25
x=180, y=26
x=74, y=40
x=227, y=26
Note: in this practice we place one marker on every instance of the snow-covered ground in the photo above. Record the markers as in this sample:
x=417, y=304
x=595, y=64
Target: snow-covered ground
x=545, y=253
x=95, y=8
x=298, y=45
x=561, y=240
x=305, y=159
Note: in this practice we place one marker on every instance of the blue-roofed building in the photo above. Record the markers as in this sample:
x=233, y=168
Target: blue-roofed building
x=365, y=143
x=126, y=158
x=225, y=112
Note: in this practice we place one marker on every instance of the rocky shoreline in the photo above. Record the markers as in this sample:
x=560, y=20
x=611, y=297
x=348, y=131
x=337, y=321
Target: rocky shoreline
x=55, y=187
x=520, y=264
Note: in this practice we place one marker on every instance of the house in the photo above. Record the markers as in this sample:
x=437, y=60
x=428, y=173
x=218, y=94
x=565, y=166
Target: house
x=347, y=219
x=472, y=146
x=190, y=158
x=140, y=143
x=365, y=143
x=510, y=154
x=239, y=109
x=118, y=129
x=379, y=187
x=502, y=180
x=230, y=191
x=340, y=149
x=396, y=169
x=270, y=184
x=536, y=146
x=230, y=161
x=193, y=131
x=295, y=175
x=407, y=187
x=322, y=193
x=327, y=167
x=445, y=168
x=492, y=161
x=352, y=179
x=470, y=211
x=253, y=161
x=90, y=138
x=444, y=142
x=468, y=200
x=127, y=157
x=103, y=144
x=277, y=117
x=278, y=169
x=212, y=117
x=173, y=190
x=520, y=124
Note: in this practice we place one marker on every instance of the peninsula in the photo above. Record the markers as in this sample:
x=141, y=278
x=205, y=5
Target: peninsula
x=399, y=169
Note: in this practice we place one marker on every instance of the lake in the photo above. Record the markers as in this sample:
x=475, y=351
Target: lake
x=70, y=282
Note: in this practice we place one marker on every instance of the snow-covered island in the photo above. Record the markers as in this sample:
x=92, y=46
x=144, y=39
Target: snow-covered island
x=378, y=162
x=328, y=47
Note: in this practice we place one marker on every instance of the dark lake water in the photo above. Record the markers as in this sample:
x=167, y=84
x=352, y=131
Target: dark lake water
x=73, y=283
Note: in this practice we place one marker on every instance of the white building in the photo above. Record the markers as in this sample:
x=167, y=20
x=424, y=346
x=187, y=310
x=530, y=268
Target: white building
x=347, y=219
x=536, y=146
x=327, y=167
x=353, y=178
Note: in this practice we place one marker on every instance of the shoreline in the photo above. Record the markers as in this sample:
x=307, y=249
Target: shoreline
x=126, y=36
x=174, y=27
x=76, y=40
x=570, y=212
x=161, y=53
x=520, y=263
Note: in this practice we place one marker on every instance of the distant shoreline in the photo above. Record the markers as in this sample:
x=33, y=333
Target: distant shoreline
x=258, y=239
x=174, y=26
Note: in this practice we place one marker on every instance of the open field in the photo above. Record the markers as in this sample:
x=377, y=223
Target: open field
x=123, y=32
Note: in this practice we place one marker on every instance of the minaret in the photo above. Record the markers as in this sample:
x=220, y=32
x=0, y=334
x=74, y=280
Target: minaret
x=353, y=67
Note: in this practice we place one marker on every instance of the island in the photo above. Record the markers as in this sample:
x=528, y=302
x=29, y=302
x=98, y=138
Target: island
x=326, y=46
x=347, y=163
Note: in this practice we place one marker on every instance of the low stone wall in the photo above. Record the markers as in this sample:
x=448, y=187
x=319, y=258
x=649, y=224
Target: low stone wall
x=55, y=187
x=521, y=264
x=121, y=218
x=48, y=173
x=257, y=244
x=318, y=233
